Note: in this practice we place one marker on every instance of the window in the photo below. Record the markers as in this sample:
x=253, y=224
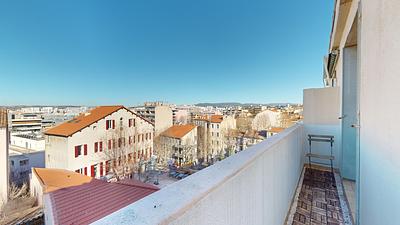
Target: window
x=109, y=144
x=101, y=146
x=119, y=142
x=218, y=126
x=212, y=125
x=12, y=162
x=86, y=171
x=110, y=124
x=85, y=149
x=108, y=165
x=23, y=162
x=130, y=140
x=92, y=171
x=121, y=122
x=131, y=122
x=134, y=122
x=130, y=157
x=217, y=134
x=147, y=136
x=96, y=146
x=78, y=150
x=101, y=169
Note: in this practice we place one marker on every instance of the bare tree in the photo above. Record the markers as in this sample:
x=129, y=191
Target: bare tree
x=261, y=121
x=163, y=151
x=229, y=138
x=120, y=151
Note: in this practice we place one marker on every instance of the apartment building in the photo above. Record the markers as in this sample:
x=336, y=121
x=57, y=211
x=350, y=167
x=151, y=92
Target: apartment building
x=179, y=143
x=212, y=131
x=104, y=139
x=159, y=113
x=26, y=123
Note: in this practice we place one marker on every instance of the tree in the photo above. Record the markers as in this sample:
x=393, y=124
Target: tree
x=162, y=150
x=230, y=141
x=261, y=121
x=120, y=151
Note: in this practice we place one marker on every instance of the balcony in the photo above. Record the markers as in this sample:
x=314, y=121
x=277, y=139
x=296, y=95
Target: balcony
x=255, y=186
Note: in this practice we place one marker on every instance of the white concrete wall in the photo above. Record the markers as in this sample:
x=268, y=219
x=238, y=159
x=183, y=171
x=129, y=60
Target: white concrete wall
x=255, y=186
x=163, y=119
x=321, y=106
x=4, y=169
x=28, y=143
x=321, y=116
x=379, y=56
x=36, y=188
x=56, y=152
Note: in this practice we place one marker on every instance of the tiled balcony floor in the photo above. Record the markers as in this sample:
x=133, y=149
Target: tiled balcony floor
x=319, y=200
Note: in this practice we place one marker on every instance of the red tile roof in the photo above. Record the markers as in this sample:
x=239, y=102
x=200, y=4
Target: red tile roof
x=276, y=129
x=92, y=201
x=178, y=131
x=212, y=118
x=86, y=119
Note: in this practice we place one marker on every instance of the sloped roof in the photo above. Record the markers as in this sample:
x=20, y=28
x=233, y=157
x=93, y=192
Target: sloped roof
x=84, y=120
x=89, y=199
x=3, y=117
x=276, y=129
x=216, y=118
x=212, y=118
x=178, y=131
x=54, y=179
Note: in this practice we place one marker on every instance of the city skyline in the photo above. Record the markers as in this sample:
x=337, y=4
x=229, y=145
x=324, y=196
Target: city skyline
x=105, y=54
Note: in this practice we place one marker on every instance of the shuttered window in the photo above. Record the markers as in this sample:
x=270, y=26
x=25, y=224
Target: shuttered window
x=77, y=151
x=101, y=169
x=85, y=149
x=92, y=172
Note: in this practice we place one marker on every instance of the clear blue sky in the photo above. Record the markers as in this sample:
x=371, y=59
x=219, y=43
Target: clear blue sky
x=180, y=51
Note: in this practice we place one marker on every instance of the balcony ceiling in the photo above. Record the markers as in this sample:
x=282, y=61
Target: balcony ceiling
x=339, y=23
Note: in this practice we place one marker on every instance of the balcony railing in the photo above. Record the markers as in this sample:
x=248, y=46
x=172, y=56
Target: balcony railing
x=255, y=186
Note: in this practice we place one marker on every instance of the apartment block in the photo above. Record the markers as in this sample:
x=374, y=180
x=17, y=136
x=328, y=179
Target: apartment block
x=159, y=113
x=212, y=132
x=105, y=139
x=179, y=143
